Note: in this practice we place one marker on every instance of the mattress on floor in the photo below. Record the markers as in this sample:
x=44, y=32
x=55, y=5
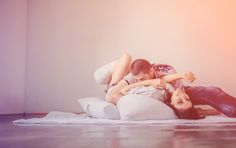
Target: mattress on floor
x=57, y=117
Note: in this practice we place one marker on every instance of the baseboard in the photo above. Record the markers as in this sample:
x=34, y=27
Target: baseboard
x=22, y=114
x=13, y=114
x=30, y=114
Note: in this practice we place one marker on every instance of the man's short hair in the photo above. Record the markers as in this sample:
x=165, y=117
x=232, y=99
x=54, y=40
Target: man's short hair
x=140, y=66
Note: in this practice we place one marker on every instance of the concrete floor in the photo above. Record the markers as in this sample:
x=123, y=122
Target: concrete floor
x=115, y=136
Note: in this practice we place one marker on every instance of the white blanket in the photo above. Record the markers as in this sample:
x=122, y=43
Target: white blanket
x=56, y=117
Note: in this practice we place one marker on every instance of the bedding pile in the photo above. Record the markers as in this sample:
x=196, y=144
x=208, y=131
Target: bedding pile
x=138, y=107
x=57, y=117
x=131, y=109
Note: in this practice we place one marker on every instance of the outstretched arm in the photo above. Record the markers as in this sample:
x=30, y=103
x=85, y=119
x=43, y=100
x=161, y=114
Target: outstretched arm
x=188, y=76
x=160, y=83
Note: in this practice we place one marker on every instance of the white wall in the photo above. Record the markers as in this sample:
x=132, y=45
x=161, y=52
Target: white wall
x=69, y=39
x=60, y=67
x=13, y=18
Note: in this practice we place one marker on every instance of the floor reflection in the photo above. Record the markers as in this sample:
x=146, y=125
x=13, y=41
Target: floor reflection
x=173, y=136
x=118, y=136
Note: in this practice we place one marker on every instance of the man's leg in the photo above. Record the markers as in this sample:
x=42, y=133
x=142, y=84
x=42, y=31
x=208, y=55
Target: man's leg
x=214, y=97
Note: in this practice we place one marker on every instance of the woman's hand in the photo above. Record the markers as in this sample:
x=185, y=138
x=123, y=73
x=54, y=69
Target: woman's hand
x=179, y=93
x=176, y=93
x=189, y=76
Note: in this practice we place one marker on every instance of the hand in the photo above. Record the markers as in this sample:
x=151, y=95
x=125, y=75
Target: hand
x=157, y=83
x=189, y=76
x=179, y=93
x=124, y=90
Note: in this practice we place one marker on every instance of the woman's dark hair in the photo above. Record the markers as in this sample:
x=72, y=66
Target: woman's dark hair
x=190, y=113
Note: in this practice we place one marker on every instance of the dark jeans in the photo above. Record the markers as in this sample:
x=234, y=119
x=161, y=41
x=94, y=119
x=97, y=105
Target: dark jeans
x=214, y=97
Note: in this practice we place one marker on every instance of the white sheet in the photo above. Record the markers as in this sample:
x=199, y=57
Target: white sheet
x=57, y=117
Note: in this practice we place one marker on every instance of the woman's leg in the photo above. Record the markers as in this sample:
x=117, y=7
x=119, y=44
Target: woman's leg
x=214, y=97
x=121, y=69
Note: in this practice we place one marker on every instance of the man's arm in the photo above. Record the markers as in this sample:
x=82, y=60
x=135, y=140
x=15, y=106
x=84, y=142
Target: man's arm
x=189, y=76
x=153, y=82
x=160, y=83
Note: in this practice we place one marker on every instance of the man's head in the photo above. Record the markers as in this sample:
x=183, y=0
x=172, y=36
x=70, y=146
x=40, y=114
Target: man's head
x=141, y=69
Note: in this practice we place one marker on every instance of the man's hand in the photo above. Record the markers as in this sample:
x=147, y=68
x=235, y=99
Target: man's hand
x=189, y=76
x=158, y=83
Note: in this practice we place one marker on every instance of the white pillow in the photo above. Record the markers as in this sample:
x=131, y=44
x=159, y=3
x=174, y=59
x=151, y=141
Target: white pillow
x=99, y=108
x=103, y=74
x=139, y=107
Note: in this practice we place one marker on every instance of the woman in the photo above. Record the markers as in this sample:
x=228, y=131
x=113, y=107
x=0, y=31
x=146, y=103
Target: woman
x=183, y=101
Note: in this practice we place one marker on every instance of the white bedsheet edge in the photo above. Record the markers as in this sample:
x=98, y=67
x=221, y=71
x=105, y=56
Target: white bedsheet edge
x=57, y=117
